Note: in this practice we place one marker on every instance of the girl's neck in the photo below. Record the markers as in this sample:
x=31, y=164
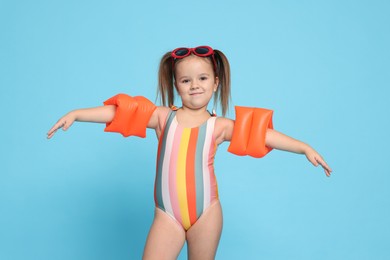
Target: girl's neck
x=192, y=117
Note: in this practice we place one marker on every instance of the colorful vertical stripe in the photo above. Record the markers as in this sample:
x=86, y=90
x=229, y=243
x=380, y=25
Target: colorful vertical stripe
x=185, y=181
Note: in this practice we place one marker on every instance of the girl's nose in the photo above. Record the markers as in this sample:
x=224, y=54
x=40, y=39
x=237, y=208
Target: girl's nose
x=194, y=85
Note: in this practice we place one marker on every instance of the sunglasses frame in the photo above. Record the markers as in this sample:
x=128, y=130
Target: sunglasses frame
x=210, y=52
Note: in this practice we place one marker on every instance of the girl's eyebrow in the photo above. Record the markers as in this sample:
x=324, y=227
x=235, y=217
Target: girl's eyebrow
x=183, y=77
x=201, y=74
x=204, y=74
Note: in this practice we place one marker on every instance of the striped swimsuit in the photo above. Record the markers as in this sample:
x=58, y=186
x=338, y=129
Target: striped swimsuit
x=185, y=183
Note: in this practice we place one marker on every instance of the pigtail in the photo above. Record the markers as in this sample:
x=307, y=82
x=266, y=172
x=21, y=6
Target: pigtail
x=223, y=71
x=165, y=80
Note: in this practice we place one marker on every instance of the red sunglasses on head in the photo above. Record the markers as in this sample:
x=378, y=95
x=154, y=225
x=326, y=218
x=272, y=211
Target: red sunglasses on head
x=201, y=51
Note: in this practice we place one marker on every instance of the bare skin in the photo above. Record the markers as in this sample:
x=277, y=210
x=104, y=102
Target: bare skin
x=203, y=237
x=166, y=237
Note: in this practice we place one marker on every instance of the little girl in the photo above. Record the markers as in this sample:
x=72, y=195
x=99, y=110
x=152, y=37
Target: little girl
x=186, y=196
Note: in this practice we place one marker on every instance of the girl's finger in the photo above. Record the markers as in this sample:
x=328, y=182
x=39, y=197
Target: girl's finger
x=324, y=165
x=326, y=168
x=314, y=161
x=50, y=134
x=327, y=172
x=51, y=131
x=66, y=126
x=54, y=129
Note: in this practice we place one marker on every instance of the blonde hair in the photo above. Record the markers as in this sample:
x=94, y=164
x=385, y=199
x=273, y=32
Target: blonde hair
x=166, y=75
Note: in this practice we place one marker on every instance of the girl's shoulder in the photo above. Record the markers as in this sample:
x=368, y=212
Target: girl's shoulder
x=159, y=116
x=163, y=110
x=223, y=121
x=162, y=113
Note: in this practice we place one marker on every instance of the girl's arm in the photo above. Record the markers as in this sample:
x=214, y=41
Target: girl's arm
x=102, y=114
x=283, y=142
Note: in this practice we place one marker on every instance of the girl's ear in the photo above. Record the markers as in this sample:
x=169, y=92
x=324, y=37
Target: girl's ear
x=216, y=83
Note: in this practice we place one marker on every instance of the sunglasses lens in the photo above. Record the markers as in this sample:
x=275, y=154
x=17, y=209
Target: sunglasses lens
x=182, y=52
x=202, y=50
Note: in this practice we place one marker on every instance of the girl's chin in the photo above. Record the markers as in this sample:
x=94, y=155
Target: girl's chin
x=196, y=106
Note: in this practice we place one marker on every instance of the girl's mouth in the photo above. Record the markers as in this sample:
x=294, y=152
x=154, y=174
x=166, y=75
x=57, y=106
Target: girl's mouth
x=195, y=94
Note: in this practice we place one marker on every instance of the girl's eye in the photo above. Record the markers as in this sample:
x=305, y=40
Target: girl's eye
x=203, y=78
x=185, y=81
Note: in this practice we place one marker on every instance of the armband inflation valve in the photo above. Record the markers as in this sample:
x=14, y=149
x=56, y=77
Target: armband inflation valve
x=250, y=129
x=132, y=115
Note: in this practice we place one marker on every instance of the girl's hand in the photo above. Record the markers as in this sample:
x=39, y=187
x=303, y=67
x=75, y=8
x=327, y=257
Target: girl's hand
x=65, y=122
x=316, y=160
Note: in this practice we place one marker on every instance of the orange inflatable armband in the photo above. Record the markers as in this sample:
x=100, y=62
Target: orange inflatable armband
x=132, y=115
x=250, y=128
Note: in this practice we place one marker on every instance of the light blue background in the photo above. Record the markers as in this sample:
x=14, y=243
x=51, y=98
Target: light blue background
x=323, y=66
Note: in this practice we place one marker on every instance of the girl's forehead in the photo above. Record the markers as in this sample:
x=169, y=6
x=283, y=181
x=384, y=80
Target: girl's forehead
x=193, y=62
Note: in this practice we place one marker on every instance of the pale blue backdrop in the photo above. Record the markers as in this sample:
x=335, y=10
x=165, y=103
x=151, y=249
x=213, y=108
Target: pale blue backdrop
x=322, y=66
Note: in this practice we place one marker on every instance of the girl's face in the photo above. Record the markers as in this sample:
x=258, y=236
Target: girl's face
x=195, y=81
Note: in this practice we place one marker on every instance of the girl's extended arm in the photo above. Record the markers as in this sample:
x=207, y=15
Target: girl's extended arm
x=283, y=142
x=102, y=114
